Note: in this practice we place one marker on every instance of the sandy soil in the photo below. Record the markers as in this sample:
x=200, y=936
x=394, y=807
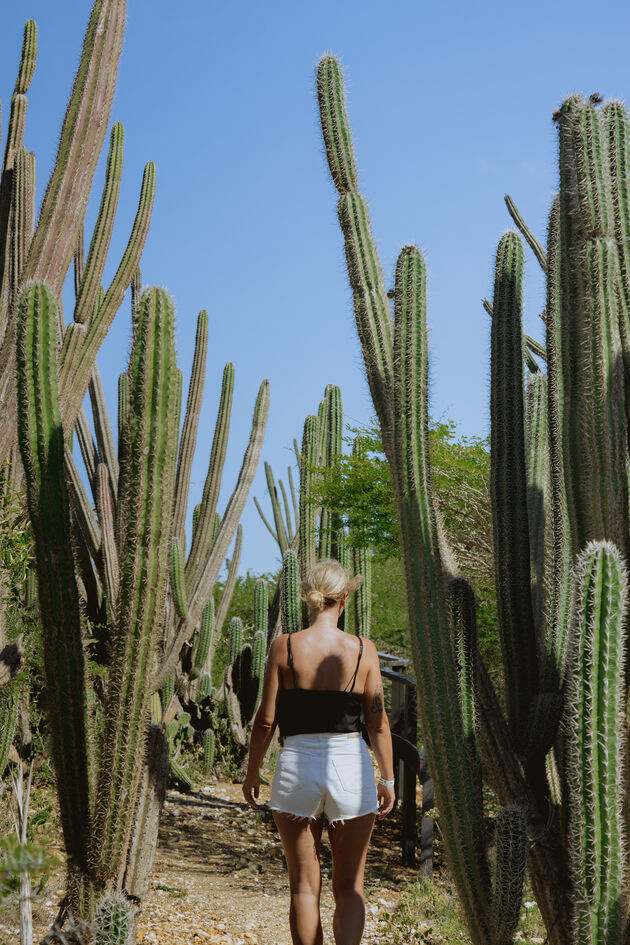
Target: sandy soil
x=220, y=877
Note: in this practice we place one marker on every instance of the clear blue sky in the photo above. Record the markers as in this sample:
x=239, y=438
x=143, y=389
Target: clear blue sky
x=450, y=105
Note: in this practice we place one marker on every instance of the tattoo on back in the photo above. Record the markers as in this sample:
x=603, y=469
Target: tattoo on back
x=377, y=700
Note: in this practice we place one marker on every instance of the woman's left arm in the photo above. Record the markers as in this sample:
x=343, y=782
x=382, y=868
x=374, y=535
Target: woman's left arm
x=264, y=722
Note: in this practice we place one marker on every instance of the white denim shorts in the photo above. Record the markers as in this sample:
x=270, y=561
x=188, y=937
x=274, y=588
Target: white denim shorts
x=328, y=774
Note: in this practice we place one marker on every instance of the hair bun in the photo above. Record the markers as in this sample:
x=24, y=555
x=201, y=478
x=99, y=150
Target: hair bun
x=315, y=599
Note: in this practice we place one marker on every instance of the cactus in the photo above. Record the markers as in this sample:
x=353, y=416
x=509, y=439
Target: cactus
x=596, y=718
x=180, y=776
x=290, y=601
x=209, y=748
x=44, y=252
x=235, y=638
x=114, y=921
x=9, y=709
x=203, y=644
x=41, y=444
x=559, y=480
x=134, y=573
x=509, y=489
x=509, y=872
x=178, y=588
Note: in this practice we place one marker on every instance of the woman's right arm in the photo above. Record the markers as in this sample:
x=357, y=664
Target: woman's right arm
x=377, y=725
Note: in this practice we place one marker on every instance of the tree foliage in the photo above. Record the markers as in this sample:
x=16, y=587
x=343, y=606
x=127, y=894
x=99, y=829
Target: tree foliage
x=359, y=488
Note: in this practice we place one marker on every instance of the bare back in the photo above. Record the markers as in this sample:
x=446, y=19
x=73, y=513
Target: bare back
x=324, y=658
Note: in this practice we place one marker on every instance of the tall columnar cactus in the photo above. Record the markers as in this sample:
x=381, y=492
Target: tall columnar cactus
x=43, y=252
x=109, y=778
x=596, y=762
x=42, y=448
x=9, y=709
x=559, y=480
x=290, y=601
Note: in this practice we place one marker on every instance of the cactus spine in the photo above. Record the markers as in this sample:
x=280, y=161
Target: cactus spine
x=597, y=750
x=396, y=365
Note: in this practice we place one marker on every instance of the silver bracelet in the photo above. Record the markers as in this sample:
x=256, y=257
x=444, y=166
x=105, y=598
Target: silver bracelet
x=387, y=783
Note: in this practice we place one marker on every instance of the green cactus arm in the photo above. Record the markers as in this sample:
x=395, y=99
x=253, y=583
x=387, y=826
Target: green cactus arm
x=77, y=364
x=210, y=497
x=123, y=405
x=534, y=346
x=178, y=585
x=596, y=721
x=372, y=312
x=362, y=564
x=101, y=238
x=466, y=652
x=79, y=259
x=204, y=650
x=42, y=448
x=509, y=872
x=202, y=589
x=144, y=517
x=136, y=291
x=322, y=427
x=80, y=144
x=261, y=606
x=308, y=511
x=280, y=530
x=109, y=564
x=15, y=135
x=558, y=597
x=508, y=487
x=81, y=505
x=335, y=126
x=9, y=710
x=17, y=117
x=537, y=463
x=265, y=521
x=209, y=748
x=430, y=639
x=334, y=450
x=290, y=593
x=28, y=58
x=294, y=498
x=188, y=437
x=103, y=428
x=86, y=444
x=287, y=511
x=616, y=128
x=596, y=439
x=230, y=582
x=21, y=219
x=529, y=237
x=235, y=645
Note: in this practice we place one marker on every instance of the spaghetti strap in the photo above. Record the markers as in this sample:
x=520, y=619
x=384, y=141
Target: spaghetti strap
x=354, y=678
x=290, y=656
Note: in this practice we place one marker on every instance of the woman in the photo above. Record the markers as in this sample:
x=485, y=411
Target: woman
x=317, y=683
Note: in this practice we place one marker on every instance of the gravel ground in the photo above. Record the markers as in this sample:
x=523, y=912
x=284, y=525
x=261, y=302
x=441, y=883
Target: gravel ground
x=219, y=877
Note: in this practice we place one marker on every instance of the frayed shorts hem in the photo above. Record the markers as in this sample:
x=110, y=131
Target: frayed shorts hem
x=331, y=823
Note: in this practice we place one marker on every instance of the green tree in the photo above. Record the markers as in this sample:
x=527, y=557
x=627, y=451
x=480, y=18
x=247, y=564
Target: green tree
x=358, y=487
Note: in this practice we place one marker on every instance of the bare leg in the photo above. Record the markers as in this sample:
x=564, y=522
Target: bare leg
x=348, y=845
x=301, y=839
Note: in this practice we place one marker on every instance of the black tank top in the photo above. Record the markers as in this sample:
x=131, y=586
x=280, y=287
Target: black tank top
x=312, y=711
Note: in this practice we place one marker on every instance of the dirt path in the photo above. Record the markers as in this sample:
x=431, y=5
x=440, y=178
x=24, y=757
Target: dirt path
x=219, y=877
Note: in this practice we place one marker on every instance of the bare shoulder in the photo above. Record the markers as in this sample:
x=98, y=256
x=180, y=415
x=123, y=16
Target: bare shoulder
x=370, y=653
x=278, y=649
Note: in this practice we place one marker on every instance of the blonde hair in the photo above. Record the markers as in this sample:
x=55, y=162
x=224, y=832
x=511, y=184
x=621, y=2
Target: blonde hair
x=326, y=583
